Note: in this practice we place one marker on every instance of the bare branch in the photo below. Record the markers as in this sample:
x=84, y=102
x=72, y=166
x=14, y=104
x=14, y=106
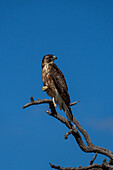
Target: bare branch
x=32, y=100
x=91, y=162
x=89, y=167
x=39, y=101
x=73, y=130
x=71, y=104
x=107, y=166
x=91, y=147
x=42, y=101
x=67, y=134
x=54, y=166
x=60, y=118
x=100, y=167
x=104, y=160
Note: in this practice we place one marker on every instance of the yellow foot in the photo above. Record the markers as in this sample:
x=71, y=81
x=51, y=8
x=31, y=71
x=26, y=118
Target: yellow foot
x=44, y=88
x=54, y=102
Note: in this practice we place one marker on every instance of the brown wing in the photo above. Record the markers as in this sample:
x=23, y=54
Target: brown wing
x=60, y=83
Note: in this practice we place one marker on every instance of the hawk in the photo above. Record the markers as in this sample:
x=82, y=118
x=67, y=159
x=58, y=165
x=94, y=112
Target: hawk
x=55, y=85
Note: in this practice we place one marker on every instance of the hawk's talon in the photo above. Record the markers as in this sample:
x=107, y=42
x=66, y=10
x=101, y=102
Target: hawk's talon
x=44, y=88
x=54, y=102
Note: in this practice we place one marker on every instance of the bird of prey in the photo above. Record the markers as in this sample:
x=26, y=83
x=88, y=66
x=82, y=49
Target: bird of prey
x=55, y=85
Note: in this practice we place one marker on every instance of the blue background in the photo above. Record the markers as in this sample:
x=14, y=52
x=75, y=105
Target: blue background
x=80, y=34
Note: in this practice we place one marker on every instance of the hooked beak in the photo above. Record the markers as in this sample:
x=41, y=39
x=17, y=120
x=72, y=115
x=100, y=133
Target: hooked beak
x=54, y=57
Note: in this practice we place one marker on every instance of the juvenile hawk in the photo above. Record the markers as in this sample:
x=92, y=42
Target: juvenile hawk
x=55, y=84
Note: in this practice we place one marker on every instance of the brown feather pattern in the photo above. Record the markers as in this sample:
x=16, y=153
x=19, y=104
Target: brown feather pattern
x=60, y=83
x=53, y=78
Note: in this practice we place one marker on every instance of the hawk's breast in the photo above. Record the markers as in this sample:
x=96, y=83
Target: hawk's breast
x=48, y=81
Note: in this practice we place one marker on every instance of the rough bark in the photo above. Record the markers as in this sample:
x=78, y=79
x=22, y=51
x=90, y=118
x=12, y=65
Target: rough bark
x=74, y=130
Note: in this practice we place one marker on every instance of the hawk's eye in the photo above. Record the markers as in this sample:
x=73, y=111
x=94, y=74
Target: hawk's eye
x=50, y=58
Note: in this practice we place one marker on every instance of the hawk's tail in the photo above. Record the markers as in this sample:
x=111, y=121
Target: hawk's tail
x=68, y=112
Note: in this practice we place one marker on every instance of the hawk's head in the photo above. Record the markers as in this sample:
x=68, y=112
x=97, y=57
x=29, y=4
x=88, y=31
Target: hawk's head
x=48, y=59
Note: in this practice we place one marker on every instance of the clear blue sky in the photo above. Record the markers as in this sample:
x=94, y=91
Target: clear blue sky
x=80, y=34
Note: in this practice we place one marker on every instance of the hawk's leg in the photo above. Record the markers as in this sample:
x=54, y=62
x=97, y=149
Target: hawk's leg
x=44, y=88
x=54, y=102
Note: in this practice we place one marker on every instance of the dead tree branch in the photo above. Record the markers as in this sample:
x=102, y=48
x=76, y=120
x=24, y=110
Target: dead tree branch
x=89, y=167
x=42, y=101
x=103, y=166
x=79, y=168
x=91, y=162
x=74, y=131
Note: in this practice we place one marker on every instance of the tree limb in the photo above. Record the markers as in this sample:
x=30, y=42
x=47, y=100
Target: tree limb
x=42, y=101
x=91, y=162
x=102, y=166
x=74, y=131
x=79, y=168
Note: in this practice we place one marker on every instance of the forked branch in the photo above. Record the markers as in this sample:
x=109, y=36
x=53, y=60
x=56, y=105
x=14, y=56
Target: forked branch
x=74, y=130
x=103, y=166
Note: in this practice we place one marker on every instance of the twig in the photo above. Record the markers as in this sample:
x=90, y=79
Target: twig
x=91, y=162
x=79, y=168
x=67, y=134
x=32, y=100
x=54, y=166
x=71, y=104
x=104, y=160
